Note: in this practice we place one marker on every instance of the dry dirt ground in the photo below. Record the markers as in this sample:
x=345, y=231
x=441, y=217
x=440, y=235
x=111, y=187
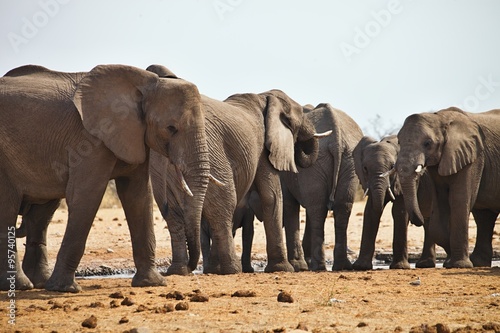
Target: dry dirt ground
x=382, y=300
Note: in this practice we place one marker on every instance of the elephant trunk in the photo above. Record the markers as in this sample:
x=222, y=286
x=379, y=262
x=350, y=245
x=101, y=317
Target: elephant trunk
x=409, y=187
x=307, y=145
x=377, y=193
x=197, y=177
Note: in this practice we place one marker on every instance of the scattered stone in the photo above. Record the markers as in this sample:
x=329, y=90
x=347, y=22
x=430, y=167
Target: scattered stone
x=279, y=330
x=199, y=297
x=218, y=295
x=492, y=327
x=182, y=306
x=96, y=305
x=442, y=328
x=128, y=301
x=90, y=322
x=114, y=303
x=133, y=293
x=234, y=311
x=302, y=326
x=117, y=294
x=177, y=295
x=285, y=297
x=141, y=308
x=362, y=324
x=115, y=219
x=244, y=293
x=56, y=305
x=110, y=250
x=123, y=320
x=169, y=307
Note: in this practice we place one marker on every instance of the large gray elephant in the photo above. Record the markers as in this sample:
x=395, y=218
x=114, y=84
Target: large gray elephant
x=460, y=151
x=251, y=137
x=374, y=162
x=68, y=134
x=330, y=183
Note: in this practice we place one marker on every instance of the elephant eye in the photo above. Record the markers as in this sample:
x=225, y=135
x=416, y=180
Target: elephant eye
x=172, y=129
x=427, y=143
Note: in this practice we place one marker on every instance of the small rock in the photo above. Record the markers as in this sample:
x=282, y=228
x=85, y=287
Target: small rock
x=199, y=297
x=110, y=250
x=285, y=297
x=362, y=324
x=169, y=307
x=301, y=326
x=114, y=303
x=244, y=293
x=128, y=301
x=182, y=306
x=56, y=305
x=492, y=327
x=176, y=295
x=90, y=322
x=115, y=219
x=141, y=308
x=117, y=294
x=133, y=293
x=124, y=320
x=96, y=305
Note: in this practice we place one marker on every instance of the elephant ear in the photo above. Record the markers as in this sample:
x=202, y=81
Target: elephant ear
x=161, y=71
x=357, y=153
x=279, y=138
x=109, y=100
x=462, y=147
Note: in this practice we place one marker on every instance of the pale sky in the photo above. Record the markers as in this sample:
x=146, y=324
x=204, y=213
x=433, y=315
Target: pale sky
x=391, y=58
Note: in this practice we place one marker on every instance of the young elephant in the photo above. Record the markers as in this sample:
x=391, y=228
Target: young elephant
x=329, y=183
x=251, y=137
x=460, y=151
x=68, y=134
x=374, y=162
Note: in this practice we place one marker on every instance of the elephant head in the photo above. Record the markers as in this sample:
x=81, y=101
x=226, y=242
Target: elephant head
x=130, y=109
x=445, y=141
x=374, y=164
x=290, y=136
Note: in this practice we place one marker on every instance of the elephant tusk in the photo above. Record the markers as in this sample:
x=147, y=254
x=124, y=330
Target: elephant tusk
x=184, y=185
x=215, y=180
x=366, y=193
x=419, y=168
x=388, y=173
x=391, y=194
x=322, y=135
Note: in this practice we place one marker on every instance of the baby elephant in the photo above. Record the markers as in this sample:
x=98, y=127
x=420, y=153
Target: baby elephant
x=374, y=163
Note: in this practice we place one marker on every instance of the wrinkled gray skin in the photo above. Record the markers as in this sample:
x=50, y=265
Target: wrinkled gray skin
x=330, y=183
x=251, y=137
x=97, y=126
x=460, y=151
x=372, y=159
x=247, y=210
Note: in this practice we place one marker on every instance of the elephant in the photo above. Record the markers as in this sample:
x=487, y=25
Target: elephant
x=459, y=150
x=329, y=183
x=251, y=137
x=374, y=163
x=93, y=126
x=244, y=216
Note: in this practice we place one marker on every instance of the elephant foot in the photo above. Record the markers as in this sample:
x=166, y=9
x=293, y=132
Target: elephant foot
x=342, y=265
x=317, y=266
x=247, y=268
x=178, y=269
x=480, y=261
x=64, y=284
x=17, y=281
x=425, y=263
x=282, y=266
x=362, y=265
x=40, y=277
x=400, y=264
x=151, y=278
x=232, y=268
x=299, y=265
x=462, y=263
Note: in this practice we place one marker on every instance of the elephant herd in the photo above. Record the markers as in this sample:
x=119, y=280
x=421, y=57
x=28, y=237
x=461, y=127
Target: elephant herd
x=212, y=166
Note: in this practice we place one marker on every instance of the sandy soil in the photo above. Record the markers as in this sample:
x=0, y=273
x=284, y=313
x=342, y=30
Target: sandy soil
x=466, y=300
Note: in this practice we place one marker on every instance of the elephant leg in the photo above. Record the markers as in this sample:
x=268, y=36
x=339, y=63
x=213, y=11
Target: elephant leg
x=84, y=194
x=316, y=219
x=247, y=239
x=136, y=198
x=205, y=240
x=291, y=221
x=428, y=256
x=371, y=222
x=483, y=250
x=11, y=273
x=35, y=262
x=400, y=236
x=268, y=186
